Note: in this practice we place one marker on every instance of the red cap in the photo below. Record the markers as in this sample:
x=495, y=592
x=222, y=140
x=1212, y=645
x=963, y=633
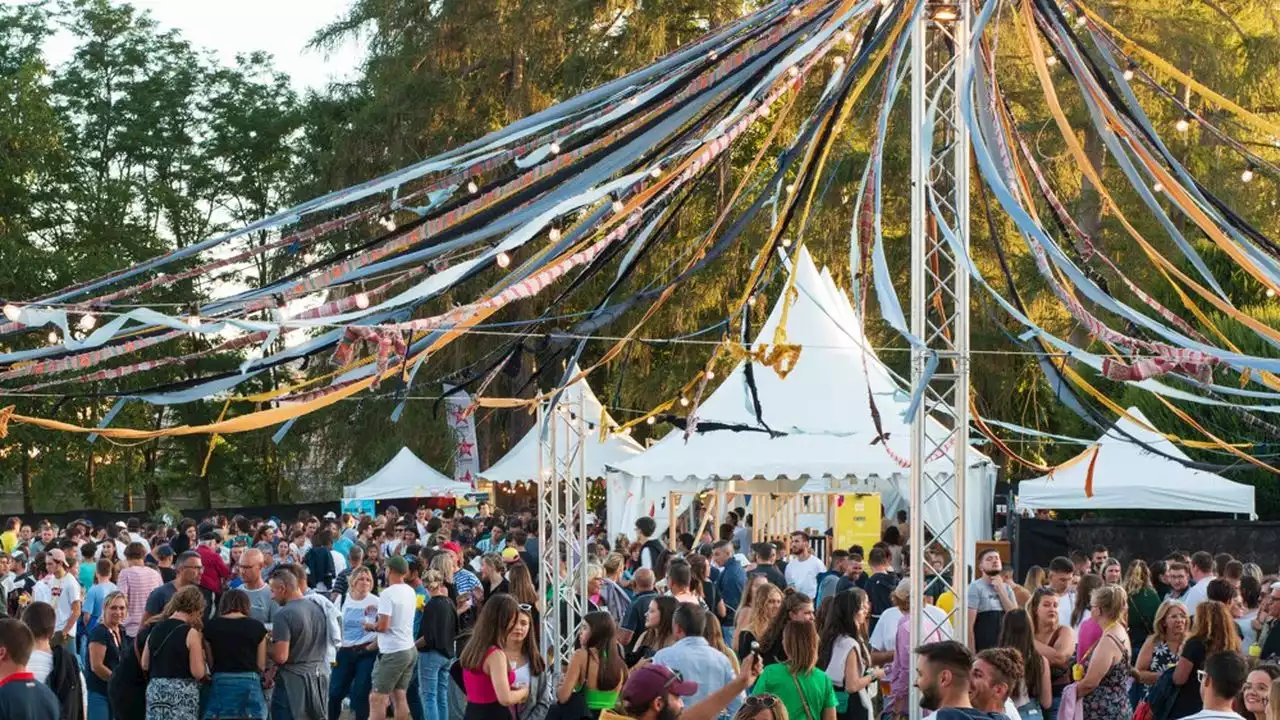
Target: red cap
x=452, y=547
x=651, y=682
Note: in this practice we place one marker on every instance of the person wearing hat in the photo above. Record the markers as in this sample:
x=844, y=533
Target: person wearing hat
x=397, y=661
x=656, y=692
x=897, y=674
x=65, y=591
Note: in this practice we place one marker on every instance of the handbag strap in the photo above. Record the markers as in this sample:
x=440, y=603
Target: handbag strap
x=808, y=714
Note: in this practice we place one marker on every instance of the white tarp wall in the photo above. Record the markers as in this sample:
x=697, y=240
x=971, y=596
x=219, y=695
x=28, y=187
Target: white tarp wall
x=821, y=406
x=1127, y=476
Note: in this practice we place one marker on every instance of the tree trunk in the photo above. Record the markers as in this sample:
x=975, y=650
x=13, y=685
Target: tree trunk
x=27, y=506
x=90, y=491
x=151, y=490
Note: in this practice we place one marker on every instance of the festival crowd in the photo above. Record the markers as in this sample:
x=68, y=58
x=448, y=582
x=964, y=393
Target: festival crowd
x=435, y=615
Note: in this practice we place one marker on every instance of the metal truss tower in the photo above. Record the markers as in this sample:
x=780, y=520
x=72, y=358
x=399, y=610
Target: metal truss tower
x=562, y=522
x=940, y=58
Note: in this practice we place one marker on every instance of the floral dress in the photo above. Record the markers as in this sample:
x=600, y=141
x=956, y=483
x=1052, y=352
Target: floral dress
x=1162, y=657
x=1110, y=700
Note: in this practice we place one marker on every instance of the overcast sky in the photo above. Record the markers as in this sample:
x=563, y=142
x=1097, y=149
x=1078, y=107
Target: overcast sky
x=230, y=27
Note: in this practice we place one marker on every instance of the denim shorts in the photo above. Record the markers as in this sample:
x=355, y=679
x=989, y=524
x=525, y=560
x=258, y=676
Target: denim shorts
x=236, y=695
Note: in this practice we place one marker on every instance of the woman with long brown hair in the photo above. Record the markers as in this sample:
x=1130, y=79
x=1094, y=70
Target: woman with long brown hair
x=173, y=656
x=844, y=655
x=659, y=632
x=766, y=602
x=796, y=607
x=742, y=613
x=520, y=586
x=486, y=676
x=1036, y=690
x=530, y=669
x=1144, y=602
x=1212, y=631
x=713, y=633
x=1055, y=642
x=703, y=587
x=805, y=691
x=597, y=667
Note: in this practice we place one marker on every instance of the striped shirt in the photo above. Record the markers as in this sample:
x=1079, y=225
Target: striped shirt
x=137, y=582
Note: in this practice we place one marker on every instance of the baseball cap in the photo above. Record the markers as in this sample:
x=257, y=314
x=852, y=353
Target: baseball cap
x=653, y=681
x=398, y=564
x=510, y=555
x=452, y=547
x=330, y=515
x=904, y=588
x=122, y=524
x=56, y=555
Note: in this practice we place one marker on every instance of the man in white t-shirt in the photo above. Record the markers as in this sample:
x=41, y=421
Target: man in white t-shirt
x=1060, y=573
x=1202, y=574
x=804, y=567
x=1224, y=676
x=397, y=657
x=64, y=592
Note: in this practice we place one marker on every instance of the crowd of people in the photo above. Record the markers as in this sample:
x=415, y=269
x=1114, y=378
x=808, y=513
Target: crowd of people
x=436, y=615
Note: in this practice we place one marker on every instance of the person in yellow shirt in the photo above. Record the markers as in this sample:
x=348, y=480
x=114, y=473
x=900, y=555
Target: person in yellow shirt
x=9, y=538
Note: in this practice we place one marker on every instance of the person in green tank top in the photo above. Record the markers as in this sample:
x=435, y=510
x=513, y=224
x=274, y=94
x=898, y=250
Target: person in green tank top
x=597, y=668
x=805, y=691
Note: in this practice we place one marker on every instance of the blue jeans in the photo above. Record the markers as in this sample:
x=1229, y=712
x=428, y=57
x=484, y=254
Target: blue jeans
x=433, y=681
x=727, y=632
x=99, y=708
x=236, y=695
x=416, y=710
x=352, y=677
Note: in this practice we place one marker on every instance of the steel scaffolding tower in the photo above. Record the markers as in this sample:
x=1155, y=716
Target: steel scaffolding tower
x=940, y=57
x=562, y=522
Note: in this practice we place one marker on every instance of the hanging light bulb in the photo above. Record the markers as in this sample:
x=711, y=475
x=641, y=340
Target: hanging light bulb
x=764, y=111
x=472, y=187
x=793, y=71
x=554, y=148
x=1271, y=293
x=388, y=222
x=12, y=312
x=53, y=337
x=34, y=453
x=791, y=187
x=1183, y=124
x=362, y=300
x=786, y=242
x=1247, y=175
x=712, y=55
x=87, y=322
x=1158, y=187
x=656, y=172
x=503, y=260
x=1081, y=21
x=618, y=206
x=684, y=401
x=554, y=234
x=838, y=61
x=1051, y=60
x=1128, y=73
x=751, y=301
x=710, y=375
x=650, y=420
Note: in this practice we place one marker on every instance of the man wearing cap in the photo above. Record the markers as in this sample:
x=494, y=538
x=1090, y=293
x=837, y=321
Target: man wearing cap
x=655, y=692
x=397, y=661
x=66, y=598
x=464, y=580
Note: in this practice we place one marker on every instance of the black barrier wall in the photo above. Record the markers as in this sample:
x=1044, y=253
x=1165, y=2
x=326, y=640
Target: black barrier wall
x=1039, y=541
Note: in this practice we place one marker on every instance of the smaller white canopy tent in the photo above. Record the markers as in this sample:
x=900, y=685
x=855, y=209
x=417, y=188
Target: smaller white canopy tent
x=406, y=476
x=521, y=461
x=821, y=406
x=1125, y=476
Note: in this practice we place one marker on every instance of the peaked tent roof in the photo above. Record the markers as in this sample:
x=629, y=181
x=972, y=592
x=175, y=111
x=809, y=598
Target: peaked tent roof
x=1127, y=476
x=405, y=476
x=521, y=461
x=821, y=404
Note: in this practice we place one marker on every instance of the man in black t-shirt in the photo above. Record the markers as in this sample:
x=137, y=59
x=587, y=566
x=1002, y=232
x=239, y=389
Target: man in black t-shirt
x=21, y=695
x=942, y=677
x=765, y=553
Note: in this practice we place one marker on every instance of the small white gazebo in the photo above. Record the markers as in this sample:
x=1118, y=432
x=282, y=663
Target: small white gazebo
x=1127, y=476
x=521, y=461
x=406, y=476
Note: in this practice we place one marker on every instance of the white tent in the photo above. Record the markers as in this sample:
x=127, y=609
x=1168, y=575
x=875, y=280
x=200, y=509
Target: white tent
x=406, y=476
x=1127, y=476
x=521, y=461
x=821, y=406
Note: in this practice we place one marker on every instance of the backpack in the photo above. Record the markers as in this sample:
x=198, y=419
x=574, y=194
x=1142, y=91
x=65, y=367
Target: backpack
x=1160, y=698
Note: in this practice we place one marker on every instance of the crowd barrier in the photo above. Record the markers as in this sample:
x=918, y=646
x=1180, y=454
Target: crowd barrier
x=1036, y=542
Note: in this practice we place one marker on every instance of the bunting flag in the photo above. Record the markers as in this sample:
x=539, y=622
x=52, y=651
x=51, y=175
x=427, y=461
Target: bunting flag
x=462, y=423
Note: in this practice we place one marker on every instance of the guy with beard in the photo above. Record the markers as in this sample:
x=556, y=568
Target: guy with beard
x=996, y=673
x=942, y=677
x=989, y=598
x=655, y=692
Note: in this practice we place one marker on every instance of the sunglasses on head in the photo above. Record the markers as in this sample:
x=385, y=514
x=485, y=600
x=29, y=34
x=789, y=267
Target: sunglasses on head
x=676, y=677
x=764, y=701
x=526, y=607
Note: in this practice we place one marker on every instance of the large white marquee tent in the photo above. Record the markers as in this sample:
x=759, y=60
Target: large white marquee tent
x=1127, y=476
x=823, y=409
x=521, y=461
x=406, y=476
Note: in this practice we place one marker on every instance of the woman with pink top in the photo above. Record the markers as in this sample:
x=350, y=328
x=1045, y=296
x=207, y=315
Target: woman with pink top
x=136, y=583
x=487, y=677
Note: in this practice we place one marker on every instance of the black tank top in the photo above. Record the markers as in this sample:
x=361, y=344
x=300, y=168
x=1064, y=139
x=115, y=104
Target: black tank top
x=167, y=645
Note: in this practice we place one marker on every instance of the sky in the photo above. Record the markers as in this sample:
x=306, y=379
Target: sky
x=231, y=27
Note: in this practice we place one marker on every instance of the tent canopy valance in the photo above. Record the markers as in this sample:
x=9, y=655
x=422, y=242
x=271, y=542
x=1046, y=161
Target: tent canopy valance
x=406, y=476
x=1125, y=476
